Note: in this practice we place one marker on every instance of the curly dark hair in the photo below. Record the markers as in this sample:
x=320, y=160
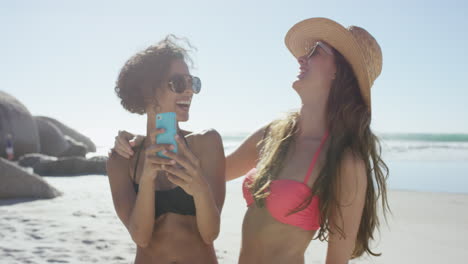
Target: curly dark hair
x=145, y=71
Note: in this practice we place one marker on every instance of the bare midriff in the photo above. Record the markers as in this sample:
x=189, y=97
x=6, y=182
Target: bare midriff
x=265, y=240
x=176, y=240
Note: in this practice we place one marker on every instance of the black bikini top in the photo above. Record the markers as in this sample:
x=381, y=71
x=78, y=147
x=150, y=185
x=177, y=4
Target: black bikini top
x=174, y=200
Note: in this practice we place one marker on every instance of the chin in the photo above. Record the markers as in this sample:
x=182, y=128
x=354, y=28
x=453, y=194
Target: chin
x=182, y=117
x=298, y=84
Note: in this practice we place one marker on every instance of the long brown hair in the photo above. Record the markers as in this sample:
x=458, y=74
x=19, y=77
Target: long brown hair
x=348, y=120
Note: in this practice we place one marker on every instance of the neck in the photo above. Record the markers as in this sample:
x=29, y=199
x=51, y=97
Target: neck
x=312, y=120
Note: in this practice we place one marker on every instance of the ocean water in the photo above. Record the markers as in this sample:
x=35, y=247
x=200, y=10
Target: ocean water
x=417, y=162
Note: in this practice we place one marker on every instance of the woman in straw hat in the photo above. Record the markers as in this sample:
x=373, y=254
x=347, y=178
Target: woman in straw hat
x=317, y=172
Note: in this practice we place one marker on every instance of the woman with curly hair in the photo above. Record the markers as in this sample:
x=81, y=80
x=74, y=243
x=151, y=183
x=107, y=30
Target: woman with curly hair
x=317, y=173
x=171, y=207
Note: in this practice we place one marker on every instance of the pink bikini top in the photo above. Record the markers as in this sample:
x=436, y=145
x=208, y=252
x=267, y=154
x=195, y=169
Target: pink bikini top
x=286, y=195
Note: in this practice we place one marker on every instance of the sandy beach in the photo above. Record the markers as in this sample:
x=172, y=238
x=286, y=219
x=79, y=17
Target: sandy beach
x=82, y=227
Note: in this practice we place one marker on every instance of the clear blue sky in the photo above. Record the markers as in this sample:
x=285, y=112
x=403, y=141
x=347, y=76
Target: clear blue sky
x=61, y=59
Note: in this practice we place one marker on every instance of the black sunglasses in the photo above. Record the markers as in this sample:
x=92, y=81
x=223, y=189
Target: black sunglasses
x=178, y=83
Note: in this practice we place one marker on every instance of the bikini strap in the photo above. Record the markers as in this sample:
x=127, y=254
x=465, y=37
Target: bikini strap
x=315, y=158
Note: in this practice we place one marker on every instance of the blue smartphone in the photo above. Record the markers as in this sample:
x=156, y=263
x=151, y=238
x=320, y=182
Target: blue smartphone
x=169, y=123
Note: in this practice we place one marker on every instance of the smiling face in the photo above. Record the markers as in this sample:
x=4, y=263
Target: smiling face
x=170, y=101
x=317, y=70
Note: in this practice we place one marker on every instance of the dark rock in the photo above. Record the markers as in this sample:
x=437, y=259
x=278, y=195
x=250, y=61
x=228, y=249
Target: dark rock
x=30, y=160
x=71, y=166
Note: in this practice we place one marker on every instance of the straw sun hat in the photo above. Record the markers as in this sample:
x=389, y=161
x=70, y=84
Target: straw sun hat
x=358, y=47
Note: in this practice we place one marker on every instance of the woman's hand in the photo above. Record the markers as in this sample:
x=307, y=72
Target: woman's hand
x=124, y=142
x=153, y=163
x=188, y=175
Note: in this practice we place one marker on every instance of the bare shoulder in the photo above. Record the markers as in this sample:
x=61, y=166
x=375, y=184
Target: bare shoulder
x=211, y=136
x=119, y=166
x=260, y=134
x=208, y=138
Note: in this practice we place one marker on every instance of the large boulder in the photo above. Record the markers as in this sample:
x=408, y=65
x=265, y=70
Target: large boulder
x=71, y=133
x=53, y=141
x=65, y=166
x=15, y=119
x=16, y=182
x=75, y=148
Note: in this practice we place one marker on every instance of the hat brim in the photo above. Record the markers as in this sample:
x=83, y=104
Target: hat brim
x=303, y=35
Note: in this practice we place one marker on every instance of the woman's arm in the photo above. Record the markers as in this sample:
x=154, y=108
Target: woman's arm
x=245, y=157
x=238, y=163
x=210, y=203
x=351, y=198
x=136, y=211
x=202, y=176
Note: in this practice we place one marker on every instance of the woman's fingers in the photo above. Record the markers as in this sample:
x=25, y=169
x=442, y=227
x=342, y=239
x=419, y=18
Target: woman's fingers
x=154, y=133
x=123, y=138
x=154, y=168
x=157, y=160
x=152, y=149
x=136, y=141
x=181, y=174
x=121, y=151
x=125, y=135
x=181, y=160
x=176, y=180
x=123, y=144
